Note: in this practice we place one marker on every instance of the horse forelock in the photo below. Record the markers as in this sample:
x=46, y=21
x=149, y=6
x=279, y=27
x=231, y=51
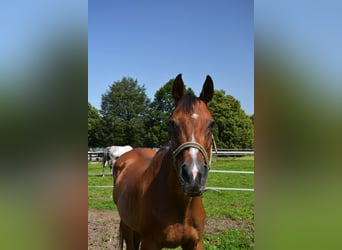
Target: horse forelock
x=187, y=103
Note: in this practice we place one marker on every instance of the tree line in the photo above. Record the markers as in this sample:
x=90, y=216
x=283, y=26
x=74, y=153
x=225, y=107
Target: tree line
x=128, y=117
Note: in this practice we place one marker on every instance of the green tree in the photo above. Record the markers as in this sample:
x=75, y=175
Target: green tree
x=124, y=107
x=160, y=111
x=94, y=130
x=233, y=129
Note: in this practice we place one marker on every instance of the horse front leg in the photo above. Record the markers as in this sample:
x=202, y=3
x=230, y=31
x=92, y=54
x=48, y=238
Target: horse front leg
x=103, y=170
x=104, y=163
x=149, y=245
x=199, y=245
x=111, y=166
x=130, y=237
x=193, y=246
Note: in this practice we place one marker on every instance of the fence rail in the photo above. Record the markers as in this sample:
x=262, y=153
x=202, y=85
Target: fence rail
x=232, y=152
x=210, y=171
x=98, y=155
x=231, y=171
x=207, y=188
x=95, y=156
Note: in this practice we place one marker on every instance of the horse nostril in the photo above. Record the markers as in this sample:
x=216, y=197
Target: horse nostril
x=185, y=174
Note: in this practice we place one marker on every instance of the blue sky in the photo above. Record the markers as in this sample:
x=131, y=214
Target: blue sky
x=153, y=41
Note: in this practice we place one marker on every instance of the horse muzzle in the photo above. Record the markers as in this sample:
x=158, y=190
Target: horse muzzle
x=192, y=176
x=193, y=179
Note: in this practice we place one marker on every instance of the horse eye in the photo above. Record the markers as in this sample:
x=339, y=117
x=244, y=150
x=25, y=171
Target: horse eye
x=172, y=124
x=211, y=125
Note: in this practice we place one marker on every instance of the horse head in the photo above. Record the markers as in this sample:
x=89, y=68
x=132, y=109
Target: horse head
x=191, y=136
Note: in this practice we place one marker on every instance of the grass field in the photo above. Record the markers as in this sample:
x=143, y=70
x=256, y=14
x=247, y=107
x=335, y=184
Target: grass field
x=230, y=214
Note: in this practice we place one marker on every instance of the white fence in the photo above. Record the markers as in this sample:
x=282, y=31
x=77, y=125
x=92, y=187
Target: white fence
x=98, y=155
x=207, y=188
x=232, y=152
x=95, y=156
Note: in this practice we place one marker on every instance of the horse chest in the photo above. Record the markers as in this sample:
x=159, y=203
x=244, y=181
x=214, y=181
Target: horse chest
x=179, y=233
x=176, y=224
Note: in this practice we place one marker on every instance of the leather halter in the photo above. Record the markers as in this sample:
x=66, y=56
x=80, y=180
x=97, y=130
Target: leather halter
x=196, y=145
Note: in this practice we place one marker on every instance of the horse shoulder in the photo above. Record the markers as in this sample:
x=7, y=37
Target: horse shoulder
x=131, y=165
x=129, y=185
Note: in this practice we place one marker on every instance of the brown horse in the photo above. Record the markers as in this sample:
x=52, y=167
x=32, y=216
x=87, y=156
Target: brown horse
x=158, y=195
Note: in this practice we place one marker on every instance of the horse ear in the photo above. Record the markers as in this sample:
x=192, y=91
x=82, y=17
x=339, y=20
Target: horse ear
x=207, y=90
x=178, y=88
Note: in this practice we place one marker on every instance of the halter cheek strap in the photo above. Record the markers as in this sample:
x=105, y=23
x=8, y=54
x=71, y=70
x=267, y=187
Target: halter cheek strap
x=196, y=145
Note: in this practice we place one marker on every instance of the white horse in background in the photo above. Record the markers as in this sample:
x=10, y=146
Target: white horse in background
x=111, y=154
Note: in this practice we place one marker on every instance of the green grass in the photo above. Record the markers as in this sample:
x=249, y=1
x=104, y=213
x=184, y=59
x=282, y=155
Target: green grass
x=99, y=198
x=236, y=205
x=233, y=207
x=230, y=239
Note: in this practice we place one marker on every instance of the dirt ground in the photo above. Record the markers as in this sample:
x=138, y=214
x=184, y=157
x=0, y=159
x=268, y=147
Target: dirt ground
x=103, y=228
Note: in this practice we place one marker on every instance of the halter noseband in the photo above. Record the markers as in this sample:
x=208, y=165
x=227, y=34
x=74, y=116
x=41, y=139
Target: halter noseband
x=196, y=145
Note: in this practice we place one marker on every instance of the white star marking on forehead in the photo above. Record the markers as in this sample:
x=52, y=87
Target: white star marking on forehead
x=194, y=116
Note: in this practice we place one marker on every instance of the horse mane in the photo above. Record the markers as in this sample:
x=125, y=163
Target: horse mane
x=166, y=146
